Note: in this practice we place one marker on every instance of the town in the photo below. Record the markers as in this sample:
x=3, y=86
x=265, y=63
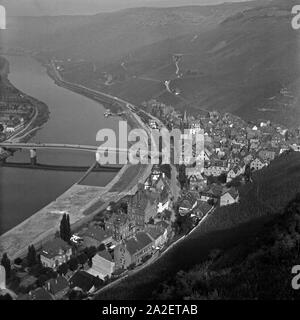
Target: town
x=129, y=235
x=20, y=115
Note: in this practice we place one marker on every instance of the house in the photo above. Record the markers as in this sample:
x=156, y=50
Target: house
x=295, y=147
x=257, y=164
x=187, y=204
x=103, y=265
x=212, y=192
x=54, y=253
x=267, y=155
x=58, y=287
x=216, y=168
x=142, y=207
x=84, y=281
x=164, y=201
x=95, y=236
x=158, y=234
x=229, y=197
x=28, y=281
x=120, y=226
x=202, y=209
x=164, y=225
x=197, y=183
x=233, y=173
x=133, y=250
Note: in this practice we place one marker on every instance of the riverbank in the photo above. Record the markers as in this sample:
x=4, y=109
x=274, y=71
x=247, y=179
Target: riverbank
x=40, y=116
x=82, y=202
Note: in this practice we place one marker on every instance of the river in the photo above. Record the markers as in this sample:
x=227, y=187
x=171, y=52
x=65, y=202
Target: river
x=73, y=119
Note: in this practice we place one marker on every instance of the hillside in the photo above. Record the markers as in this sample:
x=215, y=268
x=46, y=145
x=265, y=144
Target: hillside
x=226, y=230
x=106, y=37
x=240, y=58
x=272, y=188
x=258, y=268
x=236, y=57
x=248, y=65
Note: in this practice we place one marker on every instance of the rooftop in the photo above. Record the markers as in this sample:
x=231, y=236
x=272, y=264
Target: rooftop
x=137, y=243
x=105, y=255
x=96, y=233
x=53, y=247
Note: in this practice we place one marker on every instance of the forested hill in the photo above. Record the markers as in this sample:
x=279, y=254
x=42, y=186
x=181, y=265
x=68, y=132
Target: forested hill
x=259, y=268
x=271, y=190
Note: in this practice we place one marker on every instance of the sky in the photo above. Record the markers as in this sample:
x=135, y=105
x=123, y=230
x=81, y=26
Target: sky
x=78, y=7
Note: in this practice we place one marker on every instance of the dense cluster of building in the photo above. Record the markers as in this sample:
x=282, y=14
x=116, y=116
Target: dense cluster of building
x=15, y=112
x=231, y=145
x=124, y=236
x=135, y=231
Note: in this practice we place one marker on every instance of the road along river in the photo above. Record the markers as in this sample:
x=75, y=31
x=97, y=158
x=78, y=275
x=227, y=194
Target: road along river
x=82, y=202
x=73, y=119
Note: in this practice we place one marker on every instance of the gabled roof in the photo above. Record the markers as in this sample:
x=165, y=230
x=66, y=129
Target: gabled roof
x=96, y=233
x=105, y=255
x=137, y=243
x=57, y=285
x=232, y=191
x=82, y=280
x=203, y=207
x=216, y=190
x=53, y=247
x=163, y=224
x=154, y=231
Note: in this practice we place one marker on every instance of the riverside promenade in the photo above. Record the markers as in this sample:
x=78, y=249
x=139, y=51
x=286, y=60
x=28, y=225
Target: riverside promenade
x=81, y=202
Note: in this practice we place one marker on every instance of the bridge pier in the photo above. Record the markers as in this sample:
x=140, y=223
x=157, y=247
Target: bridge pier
x=33, y=157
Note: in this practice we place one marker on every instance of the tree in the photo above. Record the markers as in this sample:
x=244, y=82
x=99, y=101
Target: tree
x=18, y=261
x=6, y=264
x=222, y=178
x=124, y=206
x=90, y=252
x=73, y=264
x=82, y=258
x=182, y=177
x=42, y=279
x=63, y=269
x=248, y=173
x=65, y=228
x=102, y=247
x=31, y=256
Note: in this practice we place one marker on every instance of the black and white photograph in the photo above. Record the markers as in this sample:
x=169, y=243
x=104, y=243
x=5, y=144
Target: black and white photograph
x=149, y=153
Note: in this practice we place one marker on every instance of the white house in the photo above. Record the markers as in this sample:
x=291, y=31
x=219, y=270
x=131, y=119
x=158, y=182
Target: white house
x=233, y=173
x=257, y=164
x=159, y=235
x=229, y=197
x=103, y=265
x=54, y=253
x=163, y=205
x=296, y=147
x=215, y=171
x=2, y=277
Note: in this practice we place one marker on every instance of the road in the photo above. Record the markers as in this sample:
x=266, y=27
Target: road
x=82, y=202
